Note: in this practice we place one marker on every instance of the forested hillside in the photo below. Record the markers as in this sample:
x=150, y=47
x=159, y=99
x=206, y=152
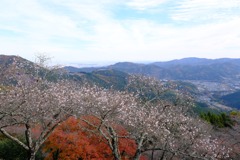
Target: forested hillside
x=232, y=99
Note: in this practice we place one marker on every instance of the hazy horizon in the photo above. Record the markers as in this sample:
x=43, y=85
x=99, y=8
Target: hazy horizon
x=82, y=64
x=105, y=63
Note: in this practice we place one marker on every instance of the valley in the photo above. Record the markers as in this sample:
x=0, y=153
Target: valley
x=212, y=78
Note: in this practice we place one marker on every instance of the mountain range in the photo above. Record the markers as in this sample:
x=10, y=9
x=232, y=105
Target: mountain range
x=184, y=69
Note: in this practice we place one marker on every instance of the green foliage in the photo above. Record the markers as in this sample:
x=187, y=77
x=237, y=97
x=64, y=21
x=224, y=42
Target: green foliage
x=218, y=120
x=111, y=79
x=235, y=113
x=201, y=107
x=10, y=150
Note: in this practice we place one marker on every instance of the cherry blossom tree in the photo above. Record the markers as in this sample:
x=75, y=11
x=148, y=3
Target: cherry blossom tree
x=31, y=101
x=164, y=127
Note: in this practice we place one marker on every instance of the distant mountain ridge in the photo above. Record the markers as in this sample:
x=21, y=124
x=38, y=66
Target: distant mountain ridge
x=183, y=69
x=195, y=61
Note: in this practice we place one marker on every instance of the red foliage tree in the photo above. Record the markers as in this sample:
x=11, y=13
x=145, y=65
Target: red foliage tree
x=75, y=139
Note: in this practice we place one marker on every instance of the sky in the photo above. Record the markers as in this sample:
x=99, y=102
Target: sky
x=100, y=31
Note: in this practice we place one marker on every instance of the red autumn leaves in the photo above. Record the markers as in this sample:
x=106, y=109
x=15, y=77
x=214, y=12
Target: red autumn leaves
x=75, y=139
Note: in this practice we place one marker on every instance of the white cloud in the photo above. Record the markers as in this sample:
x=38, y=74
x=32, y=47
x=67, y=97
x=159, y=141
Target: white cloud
x=145, y=40
x=144, y=4
x=198, y=10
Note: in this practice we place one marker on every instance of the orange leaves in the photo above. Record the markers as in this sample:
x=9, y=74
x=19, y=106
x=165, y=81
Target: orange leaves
x=75, y=139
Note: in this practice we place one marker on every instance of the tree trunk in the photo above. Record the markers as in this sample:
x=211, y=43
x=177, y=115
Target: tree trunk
x=139, y=146
x=152, y=157
x=163, y=155
x=137, y=155
x=31, y=154
x=115, y=149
